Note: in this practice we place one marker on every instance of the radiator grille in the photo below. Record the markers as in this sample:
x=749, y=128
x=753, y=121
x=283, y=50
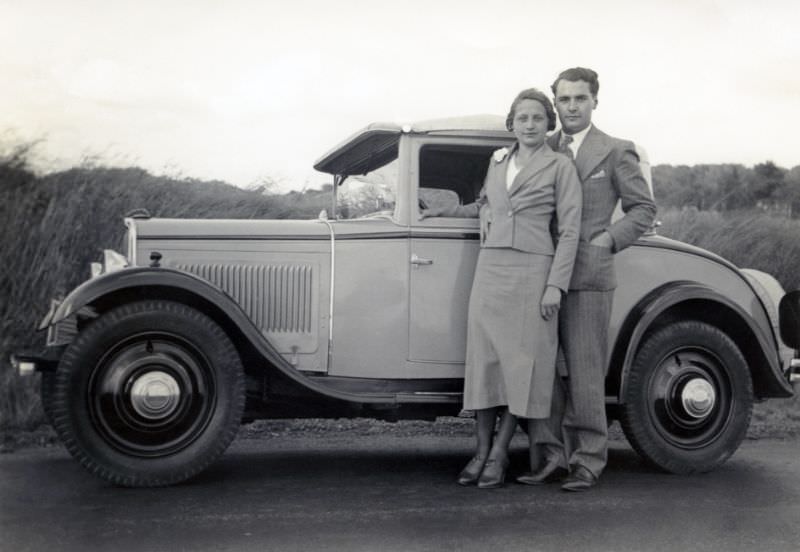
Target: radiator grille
x=277, y=298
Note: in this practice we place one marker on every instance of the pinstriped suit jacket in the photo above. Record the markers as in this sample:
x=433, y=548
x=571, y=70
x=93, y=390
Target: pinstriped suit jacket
x=609, y=171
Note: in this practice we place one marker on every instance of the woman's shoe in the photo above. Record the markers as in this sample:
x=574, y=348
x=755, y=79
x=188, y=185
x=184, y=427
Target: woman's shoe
x=470, y=474
x=493, y=474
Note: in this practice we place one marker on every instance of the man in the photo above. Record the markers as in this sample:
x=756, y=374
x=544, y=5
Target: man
x=576, y=435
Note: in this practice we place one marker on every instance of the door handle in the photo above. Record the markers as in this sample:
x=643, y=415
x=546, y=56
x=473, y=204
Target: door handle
x=415, y=260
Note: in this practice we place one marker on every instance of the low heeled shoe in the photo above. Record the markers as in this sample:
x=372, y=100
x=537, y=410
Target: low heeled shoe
x=493, y=474
x=470, y=474
x=548, y=473
x=580, y=479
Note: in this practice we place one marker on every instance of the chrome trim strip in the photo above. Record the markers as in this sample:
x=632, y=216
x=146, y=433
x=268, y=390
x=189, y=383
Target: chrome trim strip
x=333, y=278
x=399, y=234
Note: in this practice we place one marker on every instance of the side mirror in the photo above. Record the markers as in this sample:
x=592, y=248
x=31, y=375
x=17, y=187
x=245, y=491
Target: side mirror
x=789, y=313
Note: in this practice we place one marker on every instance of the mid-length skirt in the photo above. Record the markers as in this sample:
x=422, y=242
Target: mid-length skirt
x=511, y=349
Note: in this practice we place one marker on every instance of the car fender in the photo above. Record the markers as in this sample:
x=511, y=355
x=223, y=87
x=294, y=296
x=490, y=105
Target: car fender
x=655, y=304
x=105, y=289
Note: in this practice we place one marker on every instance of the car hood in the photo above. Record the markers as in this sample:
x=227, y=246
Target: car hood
x=230, y=228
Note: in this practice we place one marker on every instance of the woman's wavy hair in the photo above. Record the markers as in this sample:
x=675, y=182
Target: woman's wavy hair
x=532, y=94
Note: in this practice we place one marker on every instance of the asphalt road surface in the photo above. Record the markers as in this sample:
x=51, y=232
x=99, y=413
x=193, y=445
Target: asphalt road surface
x=389, y=492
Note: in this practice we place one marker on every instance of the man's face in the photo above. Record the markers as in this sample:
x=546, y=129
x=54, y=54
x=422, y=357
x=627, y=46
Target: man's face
x=574, y=103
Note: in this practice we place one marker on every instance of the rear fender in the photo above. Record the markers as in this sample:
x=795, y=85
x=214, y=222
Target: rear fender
x=667, y=303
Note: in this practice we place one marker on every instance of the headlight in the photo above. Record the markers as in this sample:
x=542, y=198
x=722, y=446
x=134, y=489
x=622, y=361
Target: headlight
x=113, y=261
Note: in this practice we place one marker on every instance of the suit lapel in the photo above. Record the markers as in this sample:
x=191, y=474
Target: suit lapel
x=593, y=150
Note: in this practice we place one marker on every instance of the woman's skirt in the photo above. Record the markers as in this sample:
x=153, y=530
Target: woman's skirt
x=511, y=349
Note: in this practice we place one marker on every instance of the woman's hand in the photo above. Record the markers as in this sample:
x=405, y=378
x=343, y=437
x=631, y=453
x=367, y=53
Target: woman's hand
x=431, y=212
x=551, y=302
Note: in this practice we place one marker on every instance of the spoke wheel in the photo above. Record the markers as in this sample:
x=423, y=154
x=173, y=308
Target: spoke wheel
x=149, y=394
x=688, y=399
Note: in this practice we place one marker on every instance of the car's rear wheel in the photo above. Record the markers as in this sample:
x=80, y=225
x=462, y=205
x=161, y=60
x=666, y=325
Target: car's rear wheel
x=148, y=394
x=689, y=398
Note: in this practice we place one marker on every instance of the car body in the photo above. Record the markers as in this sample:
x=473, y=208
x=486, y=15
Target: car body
x=154, y=362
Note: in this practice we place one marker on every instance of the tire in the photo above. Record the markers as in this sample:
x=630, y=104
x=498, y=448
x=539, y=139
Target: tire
x=689, y=398
x=149, y=394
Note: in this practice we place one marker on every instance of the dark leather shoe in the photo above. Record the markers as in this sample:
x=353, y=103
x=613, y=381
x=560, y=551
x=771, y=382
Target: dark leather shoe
x=549, y=473
x=493, y=474
x=470, y=474
x=580, y=479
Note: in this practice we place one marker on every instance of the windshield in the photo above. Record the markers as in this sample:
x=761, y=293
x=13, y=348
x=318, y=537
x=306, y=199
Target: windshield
x=369, y=195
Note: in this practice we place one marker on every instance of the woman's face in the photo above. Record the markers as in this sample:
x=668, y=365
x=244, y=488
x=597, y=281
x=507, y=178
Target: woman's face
x=530, y=123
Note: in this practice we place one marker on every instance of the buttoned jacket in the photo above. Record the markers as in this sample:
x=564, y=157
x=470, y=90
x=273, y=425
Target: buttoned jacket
x=609, y=171
x=545, y=190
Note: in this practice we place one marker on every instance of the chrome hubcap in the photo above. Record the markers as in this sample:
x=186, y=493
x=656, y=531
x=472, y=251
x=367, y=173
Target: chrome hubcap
x=155, y=395
x=698, y=398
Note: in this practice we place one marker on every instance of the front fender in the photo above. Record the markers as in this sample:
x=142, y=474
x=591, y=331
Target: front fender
x=103, y=289
x=130, y=278
x=766, y=373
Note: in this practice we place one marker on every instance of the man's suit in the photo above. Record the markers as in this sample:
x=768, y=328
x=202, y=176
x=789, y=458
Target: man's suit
x=608, y=170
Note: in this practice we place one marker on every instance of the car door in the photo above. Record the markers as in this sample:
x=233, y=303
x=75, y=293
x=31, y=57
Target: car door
x=442, y=253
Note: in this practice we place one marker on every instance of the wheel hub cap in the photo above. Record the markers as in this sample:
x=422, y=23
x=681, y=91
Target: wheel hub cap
x=155, y=395
x=698, y=398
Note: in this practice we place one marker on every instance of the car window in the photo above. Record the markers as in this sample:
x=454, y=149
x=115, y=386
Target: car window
x=452, y=174
x=369, y=195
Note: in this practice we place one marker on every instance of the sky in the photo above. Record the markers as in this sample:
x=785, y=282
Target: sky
x=252, y=91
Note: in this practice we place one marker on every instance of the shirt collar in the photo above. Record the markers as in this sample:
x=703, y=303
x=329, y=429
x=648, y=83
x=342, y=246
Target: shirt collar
x=578, y=137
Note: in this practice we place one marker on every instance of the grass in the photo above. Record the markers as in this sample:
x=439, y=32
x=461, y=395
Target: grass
x=748, y=239
x=54, y=225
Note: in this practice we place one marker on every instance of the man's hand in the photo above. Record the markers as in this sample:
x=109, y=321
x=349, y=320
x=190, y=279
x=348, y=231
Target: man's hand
x=603, y=239
x=551, y=302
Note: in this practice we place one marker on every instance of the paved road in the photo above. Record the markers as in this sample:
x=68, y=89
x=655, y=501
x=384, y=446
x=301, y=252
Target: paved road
x=386, y=492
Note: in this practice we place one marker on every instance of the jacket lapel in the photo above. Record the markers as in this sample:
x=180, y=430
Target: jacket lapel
x=540, y=160
x=498, y=178
x=593, y=150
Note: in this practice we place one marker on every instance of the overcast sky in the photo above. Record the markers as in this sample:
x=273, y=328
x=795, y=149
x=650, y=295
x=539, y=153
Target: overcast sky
x=244, y=90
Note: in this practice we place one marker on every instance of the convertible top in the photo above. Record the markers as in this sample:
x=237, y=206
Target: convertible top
x=376, y=144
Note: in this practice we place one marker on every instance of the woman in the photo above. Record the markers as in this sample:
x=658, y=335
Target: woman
x=512, y=333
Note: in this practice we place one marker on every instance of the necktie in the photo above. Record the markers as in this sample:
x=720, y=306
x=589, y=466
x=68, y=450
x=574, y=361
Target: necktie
x=564, y=148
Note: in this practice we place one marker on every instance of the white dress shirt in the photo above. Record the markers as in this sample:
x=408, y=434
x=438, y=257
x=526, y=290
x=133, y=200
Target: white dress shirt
x=577, y=140
x=512, y=171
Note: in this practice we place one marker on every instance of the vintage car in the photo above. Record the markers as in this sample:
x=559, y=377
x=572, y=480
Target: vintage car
x=154, y=362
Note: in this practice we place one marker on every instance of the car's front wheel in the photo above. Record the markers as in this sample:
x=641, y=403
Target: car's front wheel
x=688, y=399
x=149, y=394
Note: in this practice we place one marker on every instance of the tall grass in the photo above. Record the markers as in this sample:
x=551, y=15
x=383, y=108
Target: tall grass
x=748, y=239
x=53, y=226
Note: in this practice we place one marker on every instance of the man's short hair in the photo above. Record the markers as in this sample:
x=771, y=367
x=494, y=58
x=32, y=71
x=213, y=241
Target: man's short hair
x=579, y=74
